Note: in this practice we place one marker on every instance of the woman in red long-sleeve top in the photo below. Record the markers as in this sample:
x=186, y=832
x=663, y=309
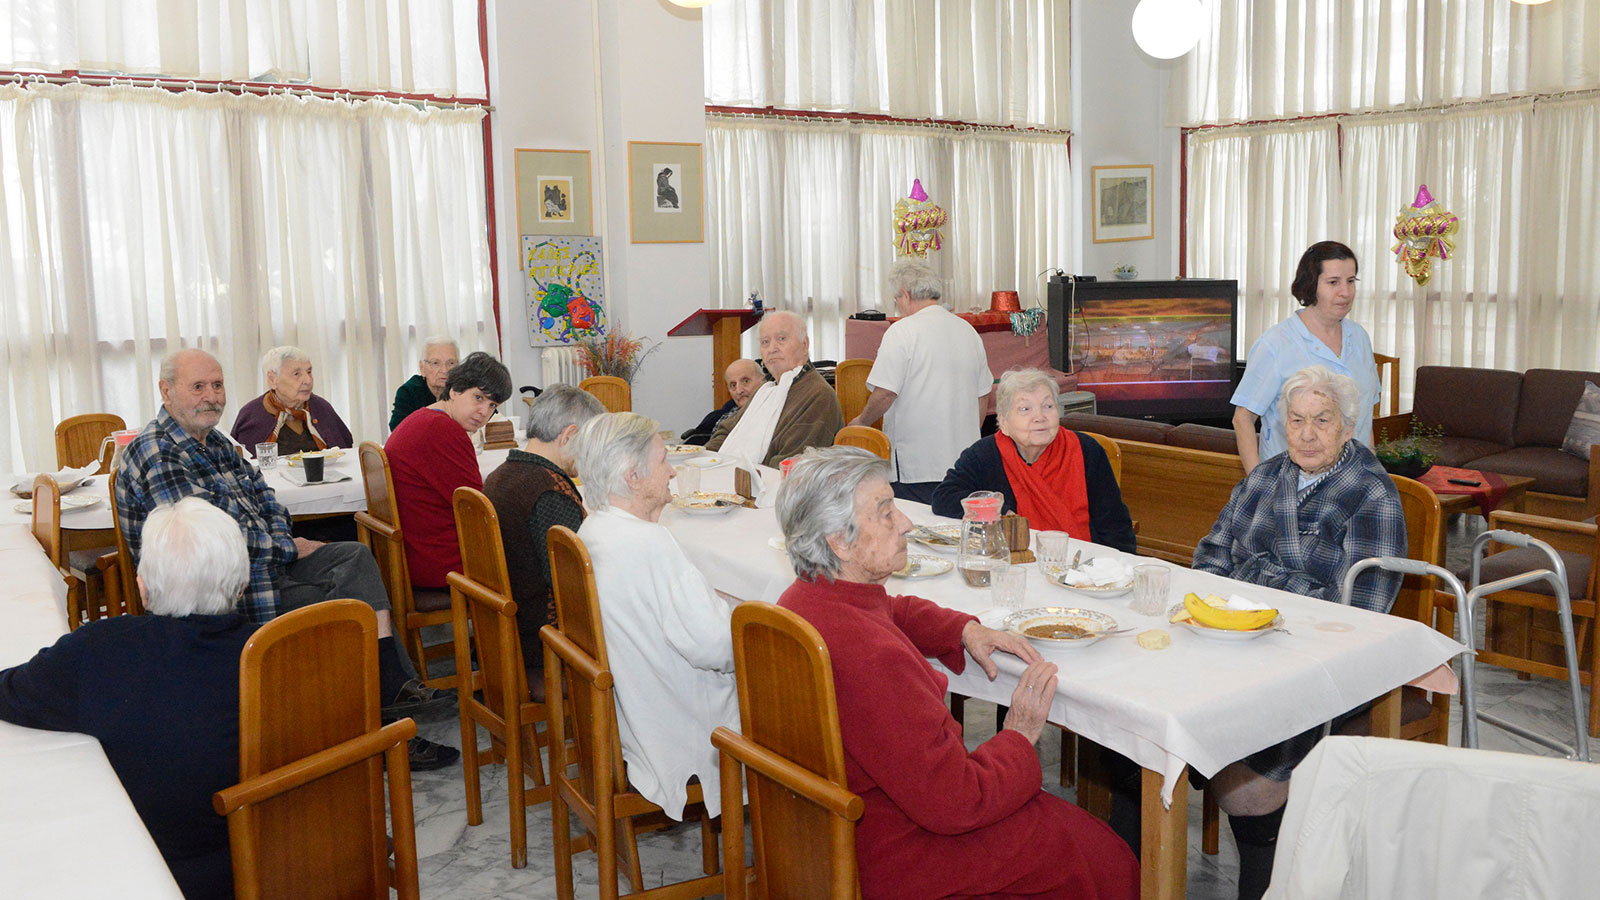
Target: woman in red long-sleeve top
x=939, y=821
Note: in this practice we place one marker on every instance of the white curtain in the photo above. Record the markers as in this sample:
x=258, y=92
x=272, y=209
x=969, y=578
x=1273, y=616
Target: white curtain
x=1274, y=59
x=801, y=213
x=408, y=46
x=1560, y=308
x=985, y=61
x=136, y=221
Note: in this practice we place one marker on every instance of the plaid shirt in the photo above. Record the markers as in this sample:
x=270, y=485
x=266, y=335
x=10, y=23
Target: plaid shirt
x=164, y=465
x=1270, y=535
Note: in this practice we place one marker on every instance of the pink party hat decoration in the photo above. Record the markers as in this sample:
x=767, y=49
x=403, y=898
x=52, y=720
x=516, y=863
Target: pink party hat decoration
x=921, y=196
x=1423, y=198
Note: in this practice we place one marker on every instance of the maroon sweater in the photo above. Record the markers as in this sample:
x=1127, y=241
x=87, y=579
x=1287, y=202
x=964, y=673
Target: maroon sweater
x=430, y=455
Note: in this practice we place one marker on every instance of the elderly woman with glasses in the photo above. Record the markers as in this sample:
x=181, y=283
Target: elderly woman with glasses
x=289, y=414
x=1297, y=523
x=940, y=820
x=1059, y=480
x=439, y=356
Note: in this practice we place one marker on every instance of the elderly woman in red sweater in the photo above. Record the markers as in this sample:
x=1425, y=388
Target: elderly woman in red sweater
x=940, y=821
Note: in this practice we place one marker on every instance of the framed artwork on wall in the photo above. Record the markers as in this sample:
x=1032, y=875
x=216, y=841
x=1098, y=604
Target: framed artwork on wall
x=665, y=196
x=553, y=193
x=1123, y=209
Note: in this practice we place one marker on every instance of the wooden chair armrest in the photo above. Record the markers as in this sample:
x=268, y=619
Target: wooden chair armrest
x=377, y=526
x=573, y=655
x=1591, y=504
x=1395, y=426
x=318, y=765
x=1562, y=534
x=106, y=561
x=820, y=790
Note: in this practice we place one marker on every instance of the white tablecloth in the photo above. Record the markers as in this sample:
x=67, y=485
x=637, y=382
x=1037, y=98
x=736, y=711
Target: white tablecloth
x=1201, y=702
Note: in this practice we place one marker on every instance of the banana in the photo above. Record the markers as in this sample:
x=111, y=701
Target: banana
x=1211, y=616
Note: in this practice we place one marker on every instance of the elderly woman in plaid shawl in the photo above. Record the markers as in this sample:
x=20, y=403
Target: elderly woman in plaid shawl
x=1297, y=522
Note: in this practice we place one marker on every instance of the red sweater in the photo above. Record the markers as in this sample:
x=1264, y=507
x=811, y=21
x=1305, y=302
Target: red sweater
x=430, y=455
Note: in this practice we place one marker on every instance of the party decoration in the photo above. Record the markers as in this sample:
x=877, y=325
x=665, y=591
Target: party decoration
x=564, y=290
x=916, y=223
x=1423, y=232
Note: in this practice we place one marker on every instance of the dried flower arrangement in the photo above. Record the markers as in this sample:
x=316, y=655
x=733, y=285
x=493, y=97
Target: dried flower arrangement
x=614, y=354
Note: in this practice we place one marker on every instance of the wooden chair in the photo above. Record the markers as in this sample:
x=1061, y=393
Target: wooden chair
x=379, y=528
x=865, y=437
x=802, y=813
x=78, y=439
x=850, y=383
x=119, y=593
x=598, y=792
x=1391, y=383
x=1113, y=454
x=307, y=817
x=615, y=394
x=480, y=594
x=46, y=526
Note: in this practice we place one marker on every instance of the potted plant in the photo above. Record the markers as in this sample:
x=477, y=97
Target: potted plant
x=613, y=354
x=1410, y=455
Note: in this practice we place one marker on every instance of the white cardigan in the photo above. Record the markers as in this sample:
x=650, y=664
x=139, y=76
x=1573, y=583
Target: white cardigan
x=671, y=652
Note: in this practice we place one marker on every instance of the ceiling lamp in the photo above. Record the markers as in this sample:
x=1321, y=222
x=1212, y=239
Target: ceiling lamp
x=1167, y=29
x=690, y=4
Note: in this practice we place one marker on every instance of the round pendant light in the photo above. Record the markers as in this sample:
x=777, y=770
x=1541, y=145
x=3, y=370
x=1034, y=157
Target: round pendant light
x=690, y=4
x=1167, y=29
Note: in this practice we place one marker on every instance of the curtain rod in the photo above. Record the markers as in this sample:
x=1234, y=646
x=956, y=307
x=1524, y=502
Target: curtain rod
x=1442, y=109
x=773, y=113
x=23, y=79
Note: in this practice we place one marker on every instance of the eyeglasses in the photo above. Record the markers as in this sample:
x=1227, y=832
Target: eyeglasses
x=436, y=363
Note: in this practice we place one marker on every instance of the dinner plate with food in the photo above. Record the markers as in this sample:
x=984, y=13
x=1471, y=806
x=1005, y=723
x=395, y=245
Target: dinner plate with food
x=707, y=503
x=943, y=537
x=69, y=503
x=328, y=455
x=1231, y=618
x=1060, y=627
x=684, y=451
x=920, y=565
x=1102, y=576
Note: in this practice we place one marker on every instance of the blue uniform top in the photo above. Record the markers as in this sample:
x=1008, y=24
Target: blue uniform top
x=1285, y=349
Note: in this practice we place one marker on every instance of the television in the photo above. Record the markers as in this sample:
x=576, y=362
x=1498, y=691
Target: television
x=1147, y=349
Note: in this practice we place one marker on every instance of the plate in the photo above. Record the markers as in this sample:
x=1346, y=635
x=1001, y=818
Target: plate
x=919, y=565
x=1110, y=590
x=944, y=538
x=68, y=504
x=684, y=451
x=1098, y=624
x=703, y=462
x=24, y=488
x=704, y=503
x=328, y=456
x=1225, y=634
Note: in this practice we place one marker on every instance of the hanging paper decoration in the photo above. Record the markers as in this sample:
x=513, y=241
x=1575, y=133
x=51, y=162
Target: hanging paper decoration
x=916, y=223
x=1423, y=231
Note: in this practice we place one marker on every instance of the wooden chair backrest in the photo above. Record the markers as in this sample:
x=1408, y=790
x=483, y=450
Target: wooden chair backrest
x=127, y=586
x=1423, y=523
x=1390, y=383
x=613, y=393
x=308, y=683
x=486, y=589
x=78, y=439
x=378, y=527
x=865, y=437
x=787, y=707
x=584, y=666
x=850, y=383
x=1113, y=454
x=47, y=517
x=377, y=482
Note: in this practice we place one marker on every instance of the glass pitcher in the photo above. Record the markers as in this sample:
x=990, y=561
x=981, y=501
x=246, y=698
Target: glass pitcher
x=983, y=541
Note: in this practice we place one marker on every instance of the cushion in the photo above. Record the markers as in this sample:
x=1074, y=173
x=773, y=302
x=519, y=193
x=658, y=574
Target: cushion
x=429, y=599
x=1584, y=432
x=1544, y=408
x=1204, y=437
x=1458, y=451
x=1117, y=427
x=1469, y=403
x=1553, y=472
x=1524, y=559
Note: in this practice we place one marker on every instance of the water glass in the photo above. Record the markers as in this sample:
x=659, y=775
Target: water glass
x=1008, y=585
x=1150, y=582
x=267, y=454
x=1051, y=548
x=688, y=480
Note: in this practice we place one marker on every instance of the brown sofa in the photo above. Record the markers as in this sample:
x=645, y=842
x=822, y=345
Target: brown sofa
x=1508, y=422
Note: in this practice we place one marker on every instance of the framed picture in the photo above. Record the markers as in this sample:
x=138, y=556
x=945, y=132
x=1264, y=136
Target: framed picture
x=665, y=199
x=563, y=287
x=1122, y=203
x=553, y=195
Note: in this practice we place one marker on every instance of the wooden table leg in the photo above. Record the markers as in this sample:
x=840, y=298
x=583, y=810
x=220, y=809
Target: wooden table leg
x=1094, y=787
x=1386, y=715
x=1164, y=836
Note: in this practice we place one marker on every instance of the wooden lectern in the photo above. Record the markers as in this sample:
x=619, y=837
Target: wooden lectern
x=724, y=326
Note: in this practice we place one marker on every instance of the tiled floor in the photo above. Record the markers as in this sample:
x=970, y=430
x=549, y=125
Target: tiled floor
x=474, y=863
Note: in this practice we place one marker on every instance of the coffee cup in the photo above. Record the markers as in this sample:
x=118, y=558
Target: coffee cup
x=313, y=466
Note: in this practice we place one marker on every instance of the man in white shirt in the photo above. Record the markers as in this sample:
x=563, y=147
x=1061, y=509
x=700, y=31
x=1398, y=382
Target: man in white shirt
x=927, y=382
x=667, y=633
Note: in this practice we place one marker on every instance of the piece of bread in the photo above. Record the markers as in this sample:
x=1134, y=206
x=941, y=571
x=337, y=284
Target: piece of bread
x=1154, y=639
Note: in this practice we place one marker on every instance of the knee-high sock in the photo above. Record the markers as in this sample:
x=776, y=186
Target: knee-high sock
x=1257, y=840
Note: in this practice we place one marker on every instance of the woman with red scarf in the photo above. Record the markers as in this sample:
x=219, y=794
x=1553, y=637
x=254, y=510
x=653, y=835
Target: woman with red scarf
x=288, y=414
x=1059, y=480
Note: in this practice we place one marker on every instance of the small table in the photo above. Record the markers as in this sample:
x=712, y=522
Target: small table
x=1450, y=504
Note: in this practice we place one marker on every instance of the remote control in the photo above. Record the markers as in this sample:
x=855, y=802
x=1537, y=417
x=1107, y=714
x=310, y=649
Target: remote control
x=1467, y=482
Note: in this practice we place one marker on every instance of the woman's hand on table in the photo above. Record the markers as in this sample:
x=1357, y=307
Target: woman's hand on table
x=981, y=642
x=1030, y=702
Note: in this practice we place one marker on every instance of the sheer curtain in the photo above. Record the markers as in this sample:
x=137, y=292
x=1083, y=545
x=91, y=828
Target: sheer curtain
x=136, y=220
x=1560, y=308
x=410, y=46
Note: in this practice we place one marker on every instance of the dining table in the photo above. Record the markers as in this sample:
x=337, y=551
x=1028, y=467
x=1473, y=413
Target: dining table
x=1199, y=703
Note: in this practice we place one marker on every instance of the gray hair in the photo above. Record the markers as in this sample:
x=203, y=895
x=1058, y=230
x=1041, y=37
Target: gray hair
x=440, y=340
x=818, y=500
x=915, y=278
x=559, y=406
x=1022, y=381
x=609, y=446
x=192, y=559
x=1341, y=389
x=273, y=360
x=169, y=363
x=798, y=321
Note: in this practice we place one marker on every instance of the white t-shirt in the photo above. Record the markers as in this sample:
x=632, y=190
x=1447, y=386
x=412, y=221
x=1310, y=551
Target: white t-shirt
x=934, y=362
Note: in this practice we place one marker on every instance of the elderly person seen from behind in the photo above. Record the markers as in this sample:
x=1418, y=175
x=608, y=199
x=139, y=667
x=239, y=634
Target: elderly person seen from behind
x=1297, y=523
x=439, y=356
x=289, y=414
x=940, y=820
x=1059, y=480
x=668, y=635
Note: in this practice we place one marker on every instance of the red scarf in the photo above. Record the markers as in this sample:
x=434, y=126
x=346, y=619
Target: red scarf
x=285, y=414
x=1052, y=494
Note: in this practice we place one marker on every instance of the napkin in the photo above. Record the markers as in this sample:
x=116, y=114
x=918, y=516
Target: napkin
x=1243, y=604
x=1098, y=572
x=63, y=477
x=764, y=482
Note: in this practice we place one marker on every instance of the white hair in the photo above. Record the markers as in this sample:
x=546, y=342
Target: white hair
x=272, y=361
x=915, y=278
x=440, y=340
x=608, y=447
x=559, y=406
x=1341, y=389
x=1023, y=381
x=192, y=559
x=797, y=322
x=818, y=500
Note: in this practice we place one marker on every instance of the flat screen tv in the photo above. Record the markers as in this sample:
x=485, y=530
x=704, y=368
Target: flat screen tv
x=1158, y=349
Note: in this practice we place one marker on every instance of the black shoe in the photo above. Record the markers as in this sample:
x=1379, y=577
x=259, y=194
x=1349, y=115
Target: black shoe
x=426, y=755
x=414, y=697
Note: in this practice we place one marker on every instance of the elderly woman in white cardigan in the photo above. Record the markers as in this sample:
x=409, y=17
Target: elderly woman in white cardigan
x=667, y=633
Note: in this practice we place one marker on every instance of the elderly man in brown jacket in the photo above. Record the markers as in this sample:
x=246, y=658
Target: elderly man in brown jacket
x=796, y=410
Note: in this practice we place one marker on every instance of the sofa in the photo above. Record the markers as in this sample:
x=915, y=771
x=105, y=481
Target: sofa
x=1508, y=422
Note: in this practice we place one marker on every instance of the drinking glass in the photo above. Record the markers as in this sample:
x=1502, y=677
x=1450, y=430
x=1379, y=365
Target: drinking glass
x=1052, y=550
x=267, y=454
x=688, y=480
x=1150, y=582
x=1008, y=585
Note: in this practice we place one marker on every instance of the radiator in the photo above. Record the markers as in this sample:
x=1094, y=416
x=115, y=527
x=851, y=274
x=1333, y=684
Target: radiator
x=561, y=366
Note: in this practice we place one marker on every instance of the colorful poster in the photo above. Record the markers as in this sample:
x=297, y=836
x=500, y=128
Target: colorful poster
x=565, y=288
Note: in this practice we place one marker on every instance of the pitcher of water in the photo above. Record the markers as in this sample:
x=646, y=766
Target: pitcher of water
x=115, y=442
x=983, y=541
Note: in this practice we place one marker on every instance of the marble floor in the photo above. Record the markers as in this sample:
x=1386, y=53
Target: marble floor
x=474, y=863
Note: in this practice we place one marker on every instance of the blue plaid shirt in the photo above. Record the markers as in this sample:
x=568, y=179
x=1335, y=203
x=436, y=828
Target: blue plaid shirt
x=164, y=465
